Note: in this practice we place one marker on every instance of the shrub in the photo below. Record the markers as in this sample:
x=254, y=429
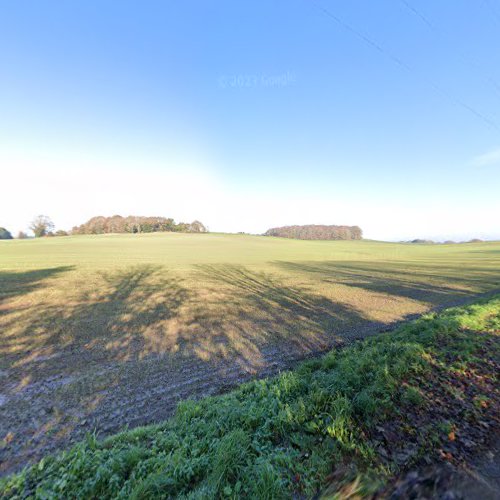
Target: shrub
x=4, y=234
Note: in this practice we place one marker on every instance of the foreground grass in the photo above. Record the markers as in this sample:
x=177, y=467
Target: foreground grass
x=286, y=435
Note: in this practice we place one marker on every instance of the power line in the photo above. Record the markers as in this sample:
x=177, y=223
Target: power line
x=417, y=13
x=363, y=37
x=403, y=64
x=465, y=59
x=493, y=10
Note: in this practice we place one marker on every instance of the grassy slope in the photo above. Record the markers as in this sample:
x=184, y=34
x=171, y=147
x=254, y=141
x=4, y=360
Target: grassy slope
x=182, y=250
x=367, y=280
x=286, y=434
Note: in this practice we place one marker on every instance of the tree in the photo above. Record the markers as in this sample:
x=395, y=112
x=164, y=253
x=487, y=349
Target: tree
x=21, y=235
x=197, y=227
x=41, y=226
x=4, y=234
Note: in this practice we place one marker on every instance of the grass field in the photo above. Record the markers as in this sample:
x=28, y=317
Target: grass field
x=113, y=330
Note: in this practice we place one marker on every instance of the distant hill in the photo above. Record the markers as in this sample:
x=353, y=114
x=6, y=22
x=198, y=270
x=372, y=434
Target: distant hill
x=136, y=224
x=317, y=232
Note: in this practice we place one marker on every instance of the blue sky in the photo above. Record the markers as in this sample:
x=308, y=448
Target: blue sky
x=252, y=114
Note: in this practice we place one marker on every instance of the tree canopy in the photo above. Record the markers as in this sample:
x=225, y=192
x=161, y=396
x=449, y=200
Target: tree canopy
x=136, y=224
x=4, y=234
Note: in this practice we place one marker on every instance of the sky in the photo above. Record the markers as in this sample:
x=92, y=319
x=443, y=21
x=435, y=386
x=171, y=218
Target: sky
x=254, y=114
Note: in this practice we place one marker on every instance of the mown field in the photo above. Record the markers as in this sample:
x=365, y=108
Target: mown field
x=100, y=332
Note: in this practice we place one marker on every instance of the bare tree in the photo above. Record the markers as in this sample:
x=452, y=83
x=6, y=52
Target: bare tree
x=41, y=225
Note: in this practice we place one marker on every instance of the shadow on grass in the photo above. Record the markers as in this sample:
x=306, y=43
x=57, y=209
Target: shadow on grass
x=15, y=283
x=125, y=349
x=252, y=315
x=61, y=361
x=109, y=320
x=433, y=283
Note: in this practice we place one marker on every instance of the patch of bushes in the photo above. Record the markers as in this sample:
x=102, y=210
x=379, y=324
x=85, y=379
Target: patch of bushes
x=4, y=234
x=276, y=437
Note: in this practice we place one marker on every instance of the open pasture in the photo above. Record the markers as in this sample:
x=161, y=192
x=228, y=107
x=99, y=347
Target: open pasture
x=100, y=332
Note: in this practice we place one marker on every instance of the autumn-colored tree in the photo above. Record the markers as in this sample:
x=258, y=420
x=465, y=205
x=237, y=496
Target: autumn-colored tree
x=135, y=224
x=317, y=232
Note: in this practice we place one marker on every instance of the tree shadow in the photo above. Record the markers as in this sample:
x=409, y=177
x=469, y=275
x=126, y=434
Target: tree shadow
x=255, y=317
x=125, y=349
x=122, y=348
x=107, y=320
x=63, y=359
x=433, y=283
x=494, y=252
x=16, y=283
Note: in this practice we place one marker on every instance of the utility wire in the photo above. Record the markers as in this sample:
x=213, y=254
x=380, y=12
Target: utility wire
x=403, y=64
x=493, y=10
x=363, y=37
x=417, y=13
x=467, y=60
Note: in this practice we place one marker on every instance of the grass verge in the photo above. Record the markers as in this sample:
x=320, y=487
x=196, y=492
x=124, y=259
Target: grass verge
x=352, y=419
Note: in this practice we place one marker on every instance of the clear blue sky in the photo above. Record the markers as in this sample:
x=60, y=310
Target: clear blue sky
x=251, y=114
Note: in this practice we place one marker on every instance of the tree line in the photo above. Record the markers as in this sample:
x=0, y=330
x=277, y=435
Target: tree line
x=317, y=232
x=136, y=224
x=42, y=226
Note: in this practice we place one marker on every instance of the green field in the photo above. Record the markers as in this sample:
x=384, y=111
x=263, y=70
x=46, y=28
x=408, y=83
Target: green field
x=99, y=332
